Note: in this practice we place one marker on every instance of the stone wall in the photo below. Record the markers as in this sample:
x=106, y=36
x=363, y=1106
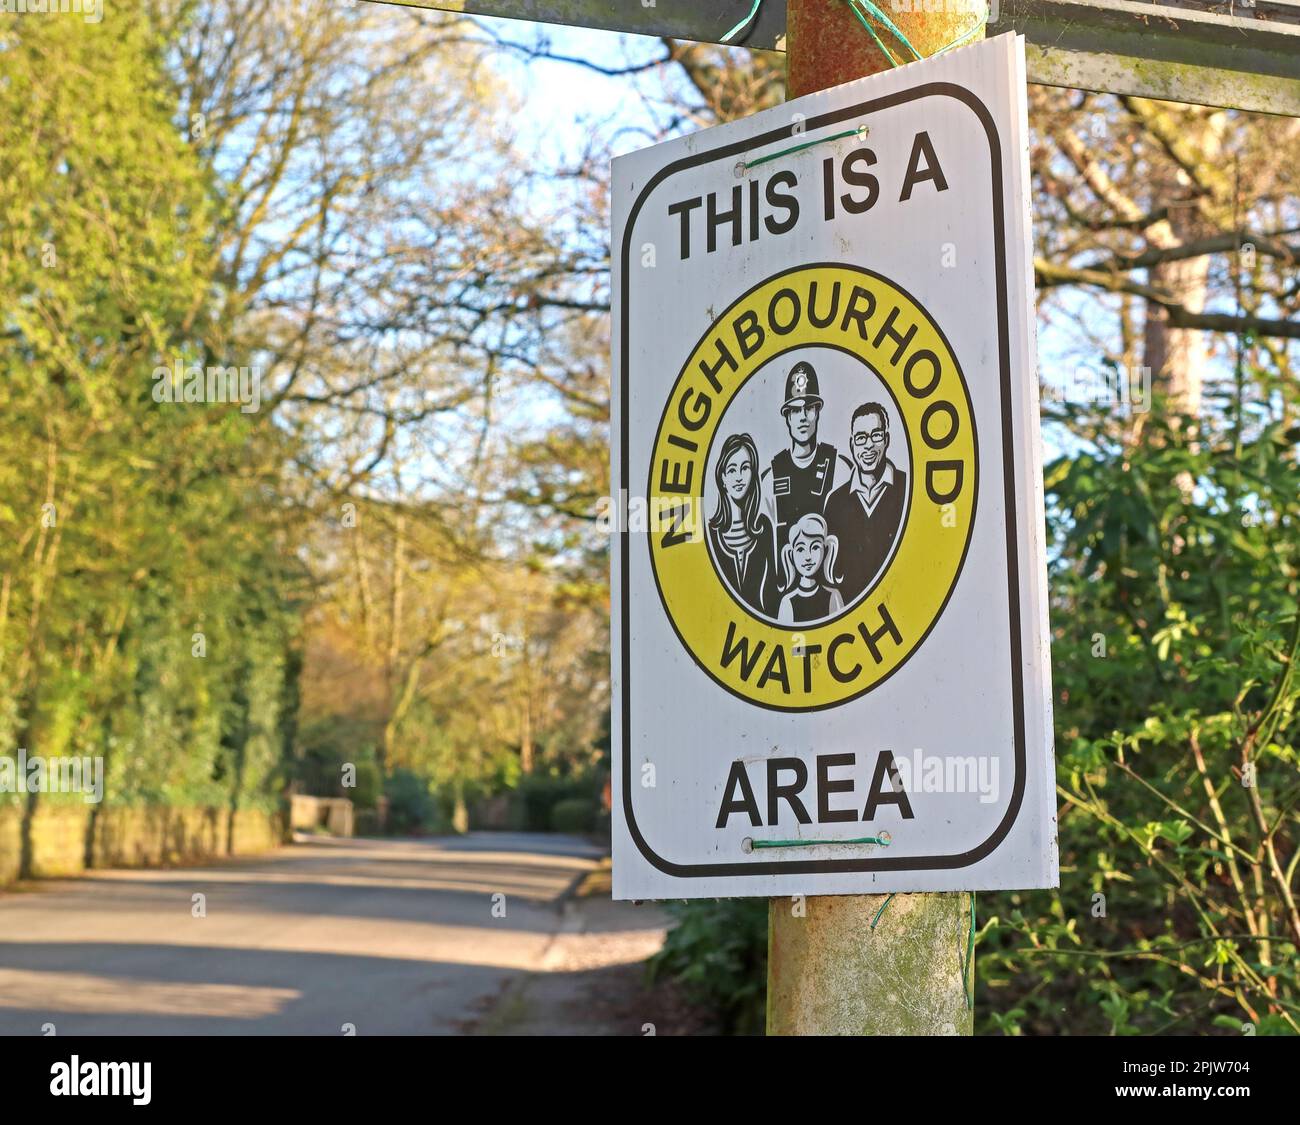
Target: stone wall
x=66, y=838
x=334, y=814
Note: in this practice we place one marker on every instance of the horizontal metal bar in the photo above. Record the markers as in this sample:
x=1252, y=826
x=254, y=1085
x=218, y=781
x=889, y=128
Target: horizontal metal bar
x=1168, y=32
x=1148, y=78
x=1178, y=52
x=1238, y=55
x=702, y=22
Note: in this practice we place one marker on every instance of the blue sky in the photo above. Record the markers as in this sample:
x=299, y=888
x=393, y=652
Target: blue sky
x=564, y=104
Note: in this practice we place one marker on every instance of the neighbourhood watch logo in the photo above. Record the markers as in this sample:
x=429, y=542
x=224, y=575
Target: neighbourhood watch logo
x=813, y=485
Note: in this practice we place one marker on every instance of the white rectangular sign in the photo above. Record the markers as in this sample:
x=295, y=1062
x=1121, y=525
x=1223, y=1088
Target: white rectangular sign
x=830, y=645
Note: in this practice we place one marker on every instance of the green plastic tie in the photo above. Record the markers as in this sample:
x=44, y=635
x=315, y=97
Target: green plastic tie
x=968, y=989
x=745, y=22
x=799, y=148
x=881, y=911
x=882, y=841
x=864, y=8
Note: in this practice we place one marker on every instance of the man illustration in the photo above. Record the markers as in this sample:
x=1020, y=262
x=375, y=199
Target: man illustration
x=801, y=479
x=866, y=512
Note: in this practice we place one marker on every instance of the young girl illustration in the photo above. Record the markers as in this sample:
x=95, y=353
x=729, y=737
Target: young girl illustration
x=809, y=560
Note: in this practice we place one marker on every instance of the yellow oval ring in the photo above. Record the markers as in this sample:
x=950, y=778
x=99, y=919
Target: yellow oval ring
x=916, y=583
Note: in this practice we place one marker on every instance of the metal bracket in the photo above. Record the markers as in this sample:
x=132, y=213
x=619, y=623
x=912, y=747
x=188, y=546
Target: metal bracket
x=1187, y=52
x=1240, y=55
x=702, y=22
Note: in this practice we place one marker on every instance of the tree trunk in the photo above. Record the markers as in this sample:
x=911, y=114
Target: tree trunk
x=1177, y=357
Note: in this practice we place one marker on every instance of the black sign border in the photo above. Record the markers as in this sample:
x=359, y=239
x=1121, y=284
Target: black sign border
x=881, y=863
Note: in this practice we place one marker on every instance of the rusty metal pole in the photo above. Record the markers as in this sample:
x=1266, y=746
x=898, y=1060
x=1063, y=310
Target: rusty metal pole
x=829, y=971
x=826, y=45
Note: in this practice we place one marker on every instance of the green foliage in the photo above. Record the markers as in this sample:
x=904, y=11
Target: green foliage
x=412, y=810
x=147, y=608
x=575, y=815
x=717, y=951
x=539, y=794
x=1174, y=655
x=1175, y=644
x=325, y=747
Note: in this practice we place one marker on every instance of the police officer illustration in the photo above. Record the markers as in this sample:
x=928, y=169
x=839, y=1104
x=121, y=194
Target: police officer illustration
x=801, y=478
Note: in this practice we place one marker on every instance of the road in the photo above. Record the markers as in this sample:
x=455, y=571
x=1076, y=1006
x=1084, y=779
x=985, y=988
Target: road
x=385, y=936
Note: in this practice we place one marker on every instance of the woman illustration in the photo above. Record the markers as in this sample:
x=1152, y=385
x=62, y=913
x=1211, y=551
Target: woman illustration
x=740, y=535
x=809, y=559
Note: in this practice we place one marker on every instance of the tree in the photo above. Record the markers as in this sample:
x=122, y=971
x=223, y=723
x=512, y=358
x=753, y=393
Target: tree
x=145, y=610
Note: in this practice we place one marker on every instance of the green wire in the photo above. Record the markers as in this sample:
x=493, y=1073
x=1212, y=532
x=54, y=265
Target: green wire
x=962, y=38
x=889, y=25
x=968, y=990
x=815, y=843
x=800, y=148
x=745, y=22
x=881, y=911
x=862, y=8
x=862, y=19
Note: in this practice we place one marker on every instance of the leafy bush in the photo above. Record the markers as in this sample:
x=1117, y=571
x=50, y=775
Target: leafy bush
x=717, y=951
x=325, y=746
x=411, y=807
x=1174, y=658
x=1176, y=643
x=574, y=814
x=538, y=794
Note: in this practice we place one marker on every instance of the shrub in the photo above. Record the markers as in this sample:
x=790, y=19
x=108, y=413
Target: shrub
x=717, y=952
x=538, y=794
x=1175, y=649
x=574, y=814
x=325, y=747
x=411, y=807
